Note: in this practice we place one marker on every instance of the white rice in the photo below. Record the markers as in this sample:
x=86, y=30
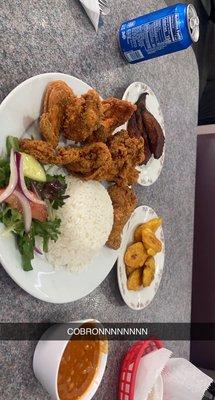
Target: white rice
x=86, y=223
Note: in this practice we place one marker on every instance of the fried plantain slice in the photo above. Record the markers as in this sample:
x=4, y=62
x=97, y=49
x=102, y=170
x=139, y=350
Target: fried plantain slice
x=153, y=224
x=151, y=242
x=147, y=277
x=138, y=233
x=135, y=255
x=128, y=270
x=135, y=279
x=150, y=263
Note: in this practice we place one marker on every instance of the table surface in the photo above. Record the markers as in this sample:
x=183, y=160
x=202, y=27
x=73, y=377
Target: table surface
x=48, y=36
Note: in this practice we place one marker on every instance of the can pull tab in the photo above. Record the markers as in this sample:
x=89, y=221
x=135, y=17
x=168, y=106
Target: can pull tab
x=194, y=22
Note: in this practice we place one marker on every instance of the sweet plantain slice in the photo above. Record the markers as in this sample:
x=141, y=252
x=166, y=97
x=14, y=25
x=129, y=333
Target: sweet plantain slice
x=147, y=277
x=151, y=252
x=153, y=224
x=135, y=279
x=151, y=242
x=138, y=233
x=128, y=270
x=135, y=255
x=150, y=263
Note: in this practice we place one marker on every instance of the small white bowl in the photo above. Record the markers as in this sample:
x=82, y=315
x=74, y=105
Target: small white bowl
x=47, y=357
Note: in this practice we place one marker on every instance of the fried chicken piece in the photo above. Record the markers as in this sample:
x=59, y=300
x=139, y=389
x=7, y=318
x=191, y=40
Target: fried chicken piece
x=124, y=202
x=115, y=113
x=46, y=154
x=114, y=162
x=41, y=150
x=126, y=154
x=153, y=129
x=83, y=116
x=90, y=162
x=93, y=163
x=58, y=95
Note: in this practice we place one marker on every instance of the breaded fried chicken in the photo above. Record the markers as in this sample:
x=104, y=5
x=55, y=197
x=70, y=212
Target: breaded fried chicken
x=115, y=161
x=124, y=202
x=93, y=163
x=126, y=154
x=83, y=116
x=115, y=113
x=41, y=150
x=58, y=95
x=89, y=162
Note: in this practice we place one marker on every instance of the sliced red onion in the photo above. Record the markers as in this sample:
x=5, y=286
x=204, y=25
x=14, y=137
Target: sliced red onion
x=13, y=178
x=21, y=181
x=34, y=190
x=37, y=250
x=27, y=214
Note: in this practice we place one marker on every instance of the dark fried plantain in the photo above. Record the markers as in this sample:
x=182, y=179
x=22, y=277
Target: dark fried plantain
x=153, y=129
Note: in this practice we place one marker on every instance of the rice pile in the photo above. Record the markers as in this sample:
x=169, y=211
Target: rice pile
x=86, y=223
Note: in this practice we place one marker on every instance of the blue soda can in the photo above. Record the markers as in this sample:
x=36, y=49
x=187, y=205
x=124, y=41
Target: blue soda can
x=161, y=32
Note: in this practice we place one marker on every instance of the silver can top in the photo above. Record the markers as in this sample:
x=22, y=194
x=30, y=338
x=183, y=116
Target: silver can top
x=193, y=22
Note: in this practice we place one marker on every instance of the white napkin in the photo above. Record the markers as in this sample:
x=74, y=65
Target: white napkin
x=150, y=367
x=93, y=11
x=183, y=381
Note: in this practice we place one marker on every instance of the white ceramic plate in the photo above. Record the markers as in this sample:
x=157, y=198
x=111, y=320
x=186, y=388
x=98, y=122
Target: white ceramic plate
x=150, y=172
x=137, y=300
x=18, y=113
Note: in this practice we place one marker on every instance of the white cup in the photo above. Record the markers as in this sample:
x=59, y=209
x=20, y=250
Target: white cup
x=47, y=357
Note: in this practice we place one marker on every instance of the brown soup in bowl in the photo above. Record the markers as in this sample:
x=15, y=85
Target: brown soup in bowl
x=78, y=366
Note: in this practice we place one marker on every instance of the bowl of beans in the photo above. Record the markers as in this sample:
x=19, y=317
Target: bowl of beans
x=71, y=366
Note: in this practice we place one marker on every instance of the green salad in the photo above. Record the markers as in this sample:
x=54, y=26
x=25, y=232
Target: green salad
x=29, y=197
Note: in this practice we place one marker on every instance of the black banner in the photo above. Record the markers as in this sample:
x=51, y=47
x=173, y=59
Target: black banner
x=110, y=331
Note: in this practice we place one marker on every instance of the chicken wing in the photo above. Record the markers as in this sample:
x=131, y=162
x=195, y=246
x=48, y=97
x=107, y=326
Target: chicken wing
x=83, y=116
x=115, y=113
x=124, y=202
x=58, y=95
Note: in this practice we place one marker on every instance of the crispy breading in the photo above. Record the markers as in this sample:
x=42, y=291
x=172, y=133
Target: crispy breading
x=113, y=162
x=116, y=112
x=58, y=95
x=83, y=116
x=126, y=154
x=41, y=150
x=90, y=161
x=46, y=154
x=124, y=202
x=93, y=162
